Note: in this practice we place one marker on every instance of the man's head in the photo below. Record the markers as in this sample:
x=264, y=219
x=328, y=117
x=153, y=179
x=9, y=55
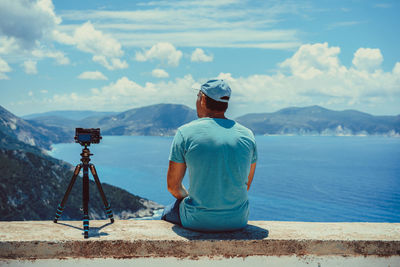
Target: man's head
x=213, y=97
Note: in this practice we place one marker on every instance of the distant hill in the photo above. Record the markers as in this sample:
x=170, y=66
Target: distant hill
x=32, y=183
x=321, y=121
x=160, y=119
x=63, y=123
x=31, y=132
x=164, y=119
x=74, y=115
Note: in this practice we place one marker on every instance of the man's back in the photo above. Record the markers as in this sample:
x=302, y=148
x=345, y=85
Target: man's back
x=218, y=154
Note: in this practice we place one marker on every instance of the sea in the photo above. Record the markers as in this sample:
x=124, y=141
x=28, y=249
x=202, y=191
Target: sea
x=298, y=178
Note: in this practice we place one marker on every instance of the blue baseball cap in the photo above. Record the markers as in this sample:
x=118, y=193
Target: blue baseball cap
x=217, y=89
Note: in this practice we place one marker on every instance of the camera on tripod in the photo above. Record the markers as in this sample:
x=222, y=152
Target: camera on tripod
x=87, y=136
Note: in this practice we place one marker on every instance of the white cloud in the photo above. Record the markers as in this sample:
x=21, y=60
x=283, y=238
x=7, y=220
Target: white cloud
x=344, y=24
x=110, y=63
x=165, y=52
x=25, y=27
x=210, y=3
x=30, y=93
x=30, y=67
x=58, y=56
x=62, y=37
x=47, y=7
x=226, y=76
x=367, y=59
x=311, y=60
x=92, y=75
x=159, y=73
x=4, y=67
x=105, y=49
x=201, y=23
x=124, y=94
x=44, y=91
x=8, y=45
x=27, y=21
x=198, y=55
x=224, y=38
x=90, y=40
x=396, y=69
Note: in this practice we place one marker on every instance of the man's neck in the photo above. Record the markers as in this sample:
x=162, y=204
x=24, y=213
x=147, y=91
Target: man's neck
x=218, y=116
x=213, y=115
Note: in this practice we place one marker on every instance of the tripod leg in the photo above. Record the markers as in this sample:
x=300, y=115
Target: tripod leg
x=85, y=198
x=60, y=208
x=103, y=196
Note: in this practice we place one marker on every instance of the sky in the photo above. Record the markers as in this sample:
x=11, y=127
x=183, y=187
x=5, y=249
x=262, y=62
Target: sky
x=118, y=55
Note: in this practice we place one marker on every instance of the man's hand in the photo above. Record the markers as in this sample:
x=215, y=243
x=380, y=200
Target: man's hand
x=251, y=175
x=176, y=172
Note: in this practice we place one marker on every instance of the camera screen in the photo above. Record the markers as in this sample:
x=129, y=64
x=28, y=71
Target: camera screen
x=84, y=137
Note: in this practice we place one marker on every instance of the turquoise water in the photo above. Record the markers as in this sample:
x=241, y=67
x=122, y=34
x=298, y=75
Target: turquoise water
x=298, y=178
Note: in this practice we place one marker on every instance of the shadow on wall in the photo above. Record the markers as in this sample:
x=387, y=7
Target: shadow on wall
x=250, y=232
x=93, y=231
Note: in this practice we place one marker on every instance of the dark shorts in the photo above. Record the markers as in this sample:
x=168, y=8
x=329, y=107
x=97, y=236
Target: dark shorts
x=171, y=213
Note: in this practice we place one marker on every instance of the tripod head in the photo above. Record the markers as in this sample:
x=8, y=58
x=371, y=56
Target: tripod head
x=85, y=155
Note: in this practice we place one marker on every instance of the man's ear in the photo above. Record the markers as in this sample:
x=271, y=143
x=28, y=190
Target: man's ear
x=203, y=101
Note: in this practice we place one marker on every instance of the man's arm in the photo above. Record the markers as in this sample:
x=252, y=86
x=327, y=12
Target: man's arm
x=176, y=172
x=251, y=175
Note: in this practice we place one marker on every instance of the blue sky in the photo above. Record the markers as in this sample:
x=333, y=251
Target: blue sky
x=118, y=55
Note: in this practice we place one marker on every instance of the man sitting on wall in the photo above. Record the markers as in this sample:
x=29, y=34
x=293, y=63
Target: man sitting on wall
x=220, y=155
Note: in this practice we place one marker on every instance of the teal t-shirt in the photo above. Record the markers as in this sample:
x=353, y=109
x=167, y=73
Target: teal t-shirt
x=218, y=154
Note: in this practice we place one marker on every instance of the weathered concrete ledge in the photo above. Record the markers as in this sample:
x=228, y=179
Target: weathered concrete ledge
x=142, y=239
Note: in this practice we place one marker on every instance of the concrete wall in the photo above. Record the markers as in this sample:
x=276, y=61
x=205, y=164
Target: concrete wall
x=149, y=243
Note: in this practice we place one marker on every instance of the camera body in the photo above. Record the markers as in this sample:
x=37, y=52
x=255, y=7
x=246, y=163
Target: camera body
x=87, y=136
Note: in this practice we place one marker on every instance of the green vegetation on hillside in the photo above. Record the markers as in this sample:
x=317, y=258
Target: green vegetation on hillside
x=31, y=187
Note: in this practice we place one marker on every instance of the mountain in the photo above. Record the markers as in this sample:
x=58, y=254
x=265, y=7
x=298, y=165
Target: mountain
x=73, y=115
x=160, y=119
x=32, y=132
x=164, y=119
x=63, y=123
x=32, y=183
x=321, y=121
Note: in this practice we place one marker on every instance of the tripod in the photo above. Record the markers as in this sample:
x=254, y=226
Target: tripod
x=85, y=192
